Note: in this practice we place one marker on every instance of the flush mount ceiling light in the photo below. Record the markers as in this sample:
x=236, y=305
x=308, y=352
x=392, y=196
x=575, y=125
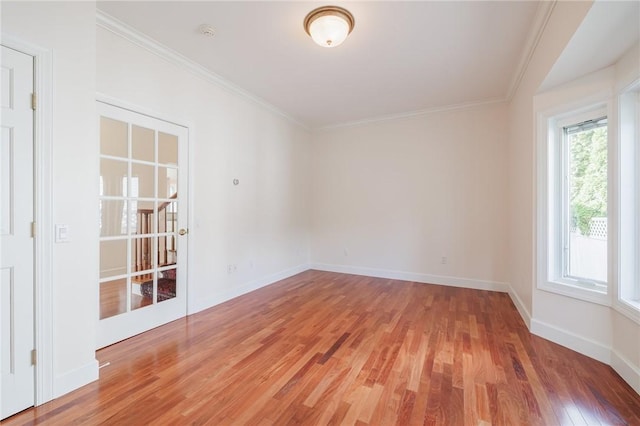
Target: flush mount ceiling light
x=329, y=26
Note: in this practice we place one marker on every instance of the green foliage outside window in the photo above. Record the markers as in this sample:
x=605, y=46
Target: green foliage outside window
x=588, y=177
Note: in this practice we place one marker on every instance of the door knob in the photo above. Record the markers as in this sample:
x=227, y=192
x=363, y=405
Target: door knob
x=183, y=231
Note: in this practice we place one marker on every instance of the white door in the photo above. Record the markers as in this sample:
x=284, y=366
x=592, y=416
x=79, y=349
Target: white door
x=143, y=223
x=17, y=249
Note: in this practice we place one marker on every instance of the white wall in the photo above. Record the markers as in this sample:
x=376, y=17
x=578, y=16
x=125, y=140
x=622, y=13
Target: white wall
x=393, y=197
x=67, y=30
x=626, y=332
x=260, y=225
x=564, y=20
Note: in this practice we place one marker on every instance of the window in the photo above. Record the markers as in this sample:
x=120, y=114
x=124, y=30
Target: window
x=573, y=211
x=629, y=182
x=588, y=201
x=584, y=202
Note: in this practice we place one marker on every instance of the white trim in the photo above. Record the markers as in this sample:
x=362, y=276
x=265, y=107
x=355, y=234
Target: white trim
x=77, y=378
x=410, y=114
x=576, y=292
x=43, y=126
x=543, y=13
x=625, y=368
x=415, y=277
x=191, y=296
x=629, y=372
x=129, y=33
x=202, y=304
x=628, y=231
x=138, y=109
x=520, y=306
x=628, y=308
x=570, y=340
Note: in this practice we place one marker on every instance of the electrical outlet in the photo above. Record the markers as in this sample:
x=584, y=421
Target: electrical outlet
x=346, y=251
x=231, y=268
x=444, y=260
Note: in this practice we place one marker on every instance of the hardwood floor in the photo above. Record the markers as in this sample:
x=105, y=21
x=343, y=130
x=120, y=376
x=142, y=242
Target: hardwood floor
x=113, y=299
x=325, y=348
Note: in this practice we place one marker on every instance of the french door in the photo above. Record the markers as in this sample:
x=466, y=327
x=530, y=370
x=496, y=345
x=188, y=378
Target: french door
x=143, y=223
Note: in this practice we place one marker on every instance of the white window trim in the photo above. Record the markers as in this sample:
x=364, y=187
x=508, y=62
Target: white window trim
x=548, y=231
x=627, y=268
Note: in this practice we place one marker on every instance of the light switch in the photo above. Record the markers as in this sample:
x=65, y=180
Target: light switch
x=62, y=233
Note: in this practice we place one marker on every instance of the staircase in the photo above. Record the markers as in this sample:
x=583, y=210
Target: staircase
x=143, y=247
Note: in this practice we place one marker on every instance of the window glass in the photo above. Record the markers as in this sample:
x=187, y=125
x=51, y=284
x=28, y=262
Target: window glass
x=629, y=199
x=585, y=198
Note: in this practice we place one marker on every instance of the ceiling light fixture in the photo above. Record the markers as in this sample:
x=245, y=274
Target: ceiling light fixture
x=329, y=26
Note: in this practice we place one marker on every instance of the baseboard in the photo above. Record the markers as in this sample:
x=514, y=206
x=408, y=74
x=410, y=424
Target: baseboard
x=522, y=310
x=216, y=299
x=625, y=368
x=629, y=372
x=415, y=277
x=75, y=379
x=572, y=341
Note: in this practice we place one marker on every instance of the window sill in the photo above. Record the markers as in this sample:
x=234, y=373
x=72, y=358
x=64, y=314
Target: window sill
x=629, y=308
x=592, y=295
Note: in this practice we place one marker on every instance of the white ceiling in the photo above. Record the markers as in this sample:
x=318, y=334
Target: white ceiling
x=606, y=33
x=402, y=57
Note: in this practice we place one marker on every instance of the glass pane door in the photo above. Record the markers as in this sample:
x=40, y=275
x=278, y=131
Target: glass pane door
x=142, y=223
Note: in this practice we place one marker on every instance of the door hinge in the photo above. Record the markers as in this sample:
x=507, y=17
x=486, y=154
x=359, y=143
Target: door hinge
x=33, y=357
x=34, y=101
x=33, y=229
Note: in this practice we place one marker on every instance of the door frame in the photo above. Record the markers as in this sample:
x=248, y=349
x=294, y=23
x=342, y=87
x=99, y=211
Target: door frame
x=43, y=213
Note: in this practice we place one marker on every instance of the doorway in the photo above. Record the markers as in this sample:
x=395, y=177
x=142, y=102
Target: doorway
x=143, y=223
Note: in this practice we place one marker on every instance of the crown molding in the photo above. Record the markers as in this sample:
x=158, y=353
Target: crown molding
x=541, y=19
x=543, y=13
x=127, y=32
x=411, y=114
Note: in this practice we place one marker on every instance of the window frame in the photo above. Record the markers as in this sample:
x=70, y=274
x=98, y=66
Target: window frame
x=563, y=151
x=627, y=301
x=637, y=191
x=550, y=235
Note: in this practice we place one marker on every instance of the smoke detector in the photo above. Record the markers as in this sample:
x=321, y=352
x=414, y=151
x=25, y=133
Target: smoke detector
x=206, y=30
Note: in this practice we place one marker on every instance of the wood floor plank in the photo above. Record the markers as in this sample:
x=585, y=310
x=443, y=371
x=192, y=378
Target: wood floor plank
x=325, y=348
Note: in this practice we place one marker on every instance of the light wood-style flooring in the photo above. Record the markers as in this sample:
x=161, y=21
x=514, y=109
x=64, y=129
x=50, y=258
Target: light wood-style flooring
x=325, y=348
